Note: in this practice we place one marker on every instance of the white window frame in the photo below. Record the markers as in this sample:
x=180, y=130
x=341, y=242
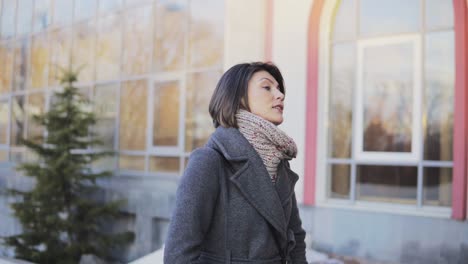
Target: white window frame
x=380, y=156
x=165, y=150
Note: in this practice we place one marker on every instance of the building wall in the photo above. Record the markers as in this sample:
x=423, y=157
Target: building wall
x=363, y=232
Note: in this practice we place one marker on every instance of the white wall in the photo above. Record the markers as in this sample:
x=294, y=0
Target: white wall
x=290, y=28
x=244, y=31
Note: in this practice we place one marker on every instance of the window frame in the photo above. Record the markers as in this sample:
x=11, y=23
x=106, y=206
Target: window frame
x=358, y=108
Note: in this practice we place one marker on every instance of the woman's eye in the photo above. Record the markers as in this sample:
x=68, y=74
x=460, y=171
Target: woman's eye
x=267, y=88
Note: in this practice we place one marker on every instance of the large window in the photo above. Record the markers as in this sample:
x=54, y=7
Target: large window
x=150, y=66
x=390, y=109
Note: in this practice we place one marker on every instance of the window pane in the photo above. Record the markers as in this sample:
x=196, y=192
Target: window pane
x=389, y=16
x=63, y=12
x=345, y=21
x=341, y=100
x=137, y=38
x=36, y=103
x=164, y=164
x=388, y=89
x=109, y=5
x=105, y=102
x=21, y=65
x=166, y=114
x=3, y=155
x=206, y=33
x=17, y=156
x=85, y=9
x=42, y=15
x=4, y=122
x=39, y=61
x=83, y=50
x=7, y=59
x=17, y=120
x=340, y=181
x=438, y=96
x=169, y=36
x=105, y=163
x=108, y=48
x=437, y=186
x=198, y=123
x=24, y=20
x=8, y=18
x=133, y=163
x=439, y=13
x=395, y=184
x=133, y=111
x=60, y=49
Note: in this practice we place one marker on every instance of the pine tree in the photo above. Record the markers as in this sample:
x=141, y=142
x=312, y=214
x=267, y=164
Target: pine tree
x=61, y=217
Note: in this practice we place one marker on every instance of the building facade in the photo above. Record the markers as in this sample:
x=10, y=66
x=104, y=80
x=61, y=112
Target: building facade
x=376, y=100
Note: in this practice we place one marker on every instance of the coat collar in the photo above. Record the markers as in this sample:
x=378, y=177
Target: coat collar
x=251, y=177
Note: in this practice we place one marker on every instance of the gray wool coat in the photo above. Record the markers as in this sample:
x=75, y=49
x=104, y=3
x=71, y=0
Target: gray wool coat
x=228, y=210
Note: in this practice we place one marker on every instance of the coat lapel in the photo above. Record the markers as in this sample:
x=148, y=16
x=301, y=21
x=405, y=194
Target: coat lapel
x=251, y=176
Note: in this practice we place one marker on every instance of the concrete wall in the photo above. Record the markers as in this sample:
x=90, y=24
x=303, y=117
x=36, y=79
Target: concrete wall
x=387, y=237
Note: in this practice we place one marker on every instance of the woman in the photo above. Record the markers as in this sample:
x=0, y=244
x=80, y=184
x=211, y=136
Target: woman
x=236, y=202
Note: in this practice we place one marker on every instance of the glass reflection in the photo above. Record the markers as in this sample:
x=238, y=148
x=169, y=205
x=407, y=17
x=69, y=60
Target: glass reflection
x=42, y=15
x=3, y=155
x=24, y=19
x=39, y=61
x=439, y=14
x=132, y=163
x=206, y=33
x=389, y=16
x=340, y=181
x=166, y=114
x=138, y=28
x=395, y=184
x=60, y=48
x=4, y=122
x=437, y=186
x=341, y=94
x=198, y=123
x=164, y=164
x=83, y=50
x=85, y=9
x=17, y=120
x=7, y=59
x=21, y=65
x=169, y=35
x=388, y=89
x=133, y=114
x=105, y=103
x=344, y=27
x=438, y=96
x=109, y=5
x=35, y=106
x=63, y=12
x=8, y=17
x=108, y=48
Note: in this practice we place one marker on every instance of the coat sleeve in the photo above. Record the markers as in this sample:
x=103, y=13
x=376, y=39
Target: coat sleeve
x=195, y=202
x=298, y=254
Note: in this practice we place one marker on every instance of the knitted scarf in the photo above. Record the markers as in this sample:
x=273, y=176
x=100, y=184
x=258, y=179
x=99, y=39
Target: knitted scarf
x=269, y=141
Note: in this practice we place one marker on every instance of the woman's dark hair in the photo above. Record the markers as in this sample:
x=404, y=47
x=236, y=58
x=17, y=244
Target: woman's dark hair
x=231, y=91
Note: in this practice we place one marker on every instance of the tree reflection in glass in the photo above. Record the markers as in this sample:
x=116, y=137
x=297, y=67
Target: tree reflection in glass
x=388, y=88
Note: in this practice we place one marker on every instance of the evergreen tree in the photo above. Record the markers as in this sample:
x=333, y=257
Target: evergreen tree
x=61, y=217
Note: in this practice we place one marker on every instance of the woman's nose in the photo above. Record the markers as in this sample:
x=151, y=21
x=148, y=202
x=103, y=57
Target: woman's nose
x=279, y=95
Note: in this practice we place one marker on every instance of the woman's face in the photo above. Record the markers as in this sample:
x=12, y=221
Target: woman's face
x=265, y=98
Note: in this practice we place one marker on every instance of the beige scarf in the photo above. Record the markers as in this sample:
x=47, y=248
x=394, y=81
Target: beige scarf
x=269, y=141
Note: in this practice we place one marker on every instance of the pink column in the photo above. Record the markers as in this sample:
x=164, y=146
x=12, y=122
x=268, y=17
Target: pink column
x=460, y=133
x=311, y=103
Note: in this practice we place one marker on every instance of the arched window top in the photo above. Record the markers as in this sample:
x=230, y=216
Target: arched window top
x=368, y=18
